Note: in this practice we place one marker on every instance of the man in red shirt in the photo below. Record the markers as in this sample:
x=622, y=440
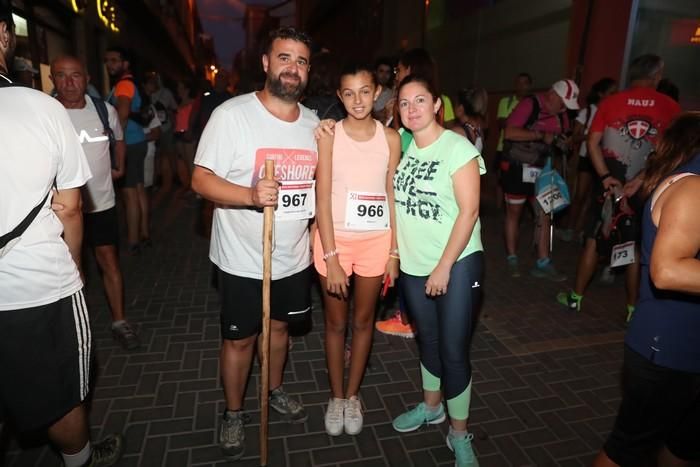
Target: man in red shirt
x=623, y=133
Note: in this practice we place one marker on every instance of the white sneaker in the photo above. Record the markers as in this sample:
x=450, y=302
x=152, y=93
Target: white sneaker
x=353, y=416
x=334, y=416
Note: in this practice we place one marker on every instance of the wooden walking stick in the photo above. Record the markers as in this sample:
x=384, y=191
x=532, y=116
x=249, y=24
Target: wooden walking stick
x=269, y=219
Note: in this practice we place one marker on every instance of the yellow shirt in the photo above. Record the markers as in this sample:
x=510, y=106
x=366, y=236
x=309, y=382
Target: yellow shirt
x=505, y=107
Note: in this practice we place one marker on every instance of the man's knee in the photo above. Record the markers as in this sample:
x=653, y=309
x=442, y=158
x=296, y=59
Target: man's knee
x=107, y=259
x=238, y=345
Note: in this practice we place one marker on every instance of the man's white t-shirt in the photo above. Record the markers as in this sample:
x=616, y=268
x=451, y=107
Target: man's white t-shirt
x=39, y=145
x=98, y=193
x=583, y=118
x=240, y=135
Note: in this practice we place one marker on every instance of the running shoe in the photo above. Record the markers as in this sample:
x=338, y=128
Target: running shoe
x=334, y=416
x=394, y=327
x=353, y=416
x=107, y=452
x=232, y=435
x=570, y=300
x=513, y=268
x=464, y=453
x=548, y=271
x=290, y=409
x=418, y=416
x=125, y=335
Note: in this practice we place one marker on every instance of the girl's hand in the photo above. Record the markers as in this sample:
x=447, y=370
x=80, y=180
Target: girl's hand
x=391, y=271
x=324, y=126
x=337, y=282
x=436, y=284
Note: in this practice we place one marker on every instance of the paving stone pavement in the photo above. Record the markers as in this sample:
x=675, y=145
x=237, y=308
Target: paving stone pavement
x=546, y=381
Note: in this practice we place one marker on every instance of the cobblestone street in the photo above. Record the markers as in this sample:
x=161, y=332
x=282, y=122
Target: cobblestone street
x=545, y=385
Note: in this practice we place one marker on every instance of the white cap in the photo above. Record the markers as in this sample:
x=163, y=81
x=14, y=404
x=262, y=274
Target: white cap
x=568, y=91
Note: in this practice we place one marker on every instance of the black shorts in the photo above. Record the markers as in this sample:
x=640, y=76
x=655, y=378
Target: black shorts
x=135, y=156
x=659, y=406
x=101, y=228
x=585, y=165
x=45, y=359
x=241, y=302
x=514, y=189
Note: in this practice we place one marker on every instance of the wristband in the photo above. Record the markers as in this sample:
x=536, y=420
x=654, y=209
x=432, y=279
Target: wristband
x=330, y=254
x=605, y=176
x=395, y=256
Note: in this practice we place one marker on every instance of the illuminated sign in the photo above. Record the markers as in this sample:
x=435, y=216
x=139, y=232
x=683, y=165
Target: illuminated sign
x=107, y=14
x=685, y=32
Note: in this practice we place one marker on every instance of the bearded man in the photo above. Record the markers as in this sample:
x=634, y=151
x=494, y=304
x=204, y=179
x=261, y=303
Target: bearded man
x=229, y=170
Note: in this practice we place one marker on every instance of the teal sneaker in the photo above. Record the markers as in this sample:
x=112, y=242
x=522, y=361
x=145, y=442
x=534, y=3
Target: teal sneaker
x=547, y=271
x=570, y=300
x=462, y=447
x=417, y=416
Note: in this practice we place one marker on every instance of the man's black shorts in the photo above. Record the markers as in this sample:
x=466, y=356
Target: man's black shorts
x=659, y=406
x=101, y=228
x=45, y=361
x=241, y=302
x=516, y=191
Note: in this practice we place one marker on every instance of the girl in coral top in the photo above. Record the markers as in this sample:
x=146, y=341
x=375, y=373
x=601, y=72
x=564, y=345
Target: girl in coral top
x=356, y=236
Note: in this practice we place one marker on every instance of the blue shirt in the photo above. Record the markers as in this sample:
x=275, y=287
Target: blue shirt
x=665, y=325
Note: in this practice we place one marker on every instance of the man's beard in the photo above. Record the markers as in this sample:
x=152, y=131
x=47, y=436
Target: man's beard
x=286, y=92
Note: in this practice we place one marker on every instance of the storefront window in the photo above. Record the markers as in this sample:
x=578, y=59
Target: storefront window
x=671, y=29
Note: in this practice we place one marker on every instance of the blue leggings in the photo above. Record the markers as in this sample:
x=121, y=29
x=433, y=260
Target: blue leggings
x=444, y=323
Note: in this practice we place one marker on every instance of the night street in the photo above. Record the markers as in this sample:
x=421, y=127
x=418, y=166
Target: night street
x=545, y=380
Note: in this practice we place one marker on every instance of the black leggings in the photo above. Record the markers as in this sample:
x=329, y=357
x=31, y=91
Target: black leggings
x=444, y=323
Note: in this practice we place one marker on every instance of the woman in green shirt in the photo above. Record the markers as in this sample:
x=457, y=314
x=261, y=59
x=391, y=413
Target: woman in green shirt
x=439, y=236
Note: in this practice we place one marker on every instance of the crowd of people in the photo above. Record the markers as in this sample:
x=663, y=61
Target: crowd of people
x=377, y=186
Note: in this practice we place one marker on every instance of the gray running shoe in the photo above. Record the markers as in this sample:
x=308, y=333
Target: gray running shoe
x=126, y=336
x=547, y=271
x=290, y=409
x=106, y=452
x=232, y=435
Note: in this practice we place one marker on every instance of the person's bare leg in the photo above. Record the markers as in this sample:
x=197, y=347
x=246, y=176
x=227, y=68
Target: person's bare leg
x=544, y=234
x=587, y=263
x=235, y=361
x=144, y=219
x=133, y=214
x=70, y=434
x=108, y=261
x=667, y=459
x=279, y=346
x=335, y=312
x=366, y=294
x=512, y=219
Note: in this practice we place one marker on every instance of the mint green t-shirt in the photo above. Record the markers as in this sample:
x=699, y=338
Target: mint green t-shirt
x=426, y=208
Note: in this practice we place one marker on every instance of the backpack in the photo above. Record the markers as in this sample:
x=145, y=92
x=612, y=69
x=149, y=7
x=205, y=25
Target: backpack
x=529, y=152
x=101, y=109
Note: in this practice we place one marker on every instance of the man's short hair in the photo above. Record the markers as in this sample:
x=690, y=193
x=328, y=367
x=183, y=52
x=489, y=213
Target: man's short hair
x=526, y=75
x=645, y=67
x=286, y=32
x=123, y=53
x=383, y=61
x=6, y=13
